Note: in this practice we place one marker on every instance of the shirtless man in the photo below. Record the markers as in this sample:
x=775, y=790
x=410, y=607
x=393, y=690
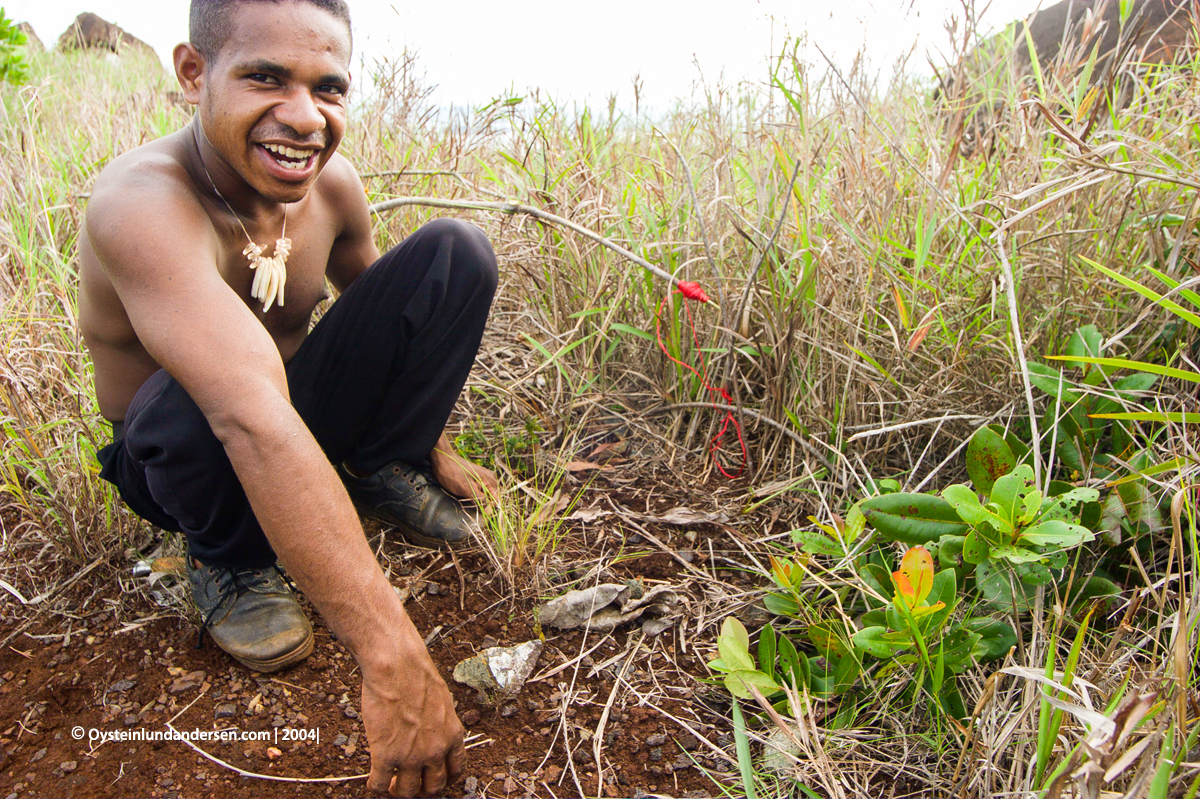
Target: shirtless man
x=236, y=426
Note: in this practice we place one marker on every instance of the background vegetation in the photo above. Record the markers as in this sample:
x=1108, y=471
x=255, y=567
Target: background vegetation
x=877, y=300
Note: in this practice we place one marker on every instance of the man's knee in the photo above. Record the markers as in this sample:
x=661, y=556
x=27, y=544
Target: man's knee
x=472, y=260
x=164, y=420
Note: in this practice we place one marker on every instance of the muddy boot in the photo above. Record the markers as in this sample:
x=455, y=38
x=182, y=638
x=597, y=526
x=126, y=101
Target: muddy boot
x=412, y=501
x=251, y=614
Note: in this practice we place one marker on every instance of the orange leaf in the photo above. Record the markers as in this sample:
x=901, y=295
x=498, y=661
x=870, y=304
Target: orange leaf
x=782, y=571
x=581, y=466
x=900, y=307
x=914, y=580
x=923, y=328
x=918, y=336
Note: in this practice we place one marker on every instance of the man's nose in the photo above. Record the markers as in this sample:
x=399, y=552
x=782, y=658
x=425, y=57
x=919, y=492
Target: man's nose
x=300, y=113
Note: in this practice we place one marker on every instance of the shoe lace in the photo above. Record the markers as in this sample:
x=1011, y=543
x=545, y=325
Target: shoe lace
x=418, y=478
x=233, y=582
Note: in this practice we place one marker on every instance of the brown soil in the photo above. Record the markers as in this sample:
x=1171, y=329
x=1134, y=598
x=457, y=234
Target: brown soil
x=110, y=676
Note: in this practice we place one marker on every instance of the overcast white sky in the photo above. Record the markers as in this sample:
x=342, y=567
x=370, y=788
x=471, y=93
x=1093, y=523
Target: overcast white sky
x=475, y=50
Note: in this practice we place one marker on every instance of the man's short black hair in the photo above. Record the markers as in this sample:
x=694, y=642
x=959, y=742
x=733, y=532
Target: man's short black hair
x=210, y=21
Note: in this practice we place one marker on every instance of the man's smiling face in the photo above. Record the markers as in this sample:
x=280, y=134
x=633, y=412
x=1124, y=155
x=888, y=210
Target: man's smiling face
x=273, y=100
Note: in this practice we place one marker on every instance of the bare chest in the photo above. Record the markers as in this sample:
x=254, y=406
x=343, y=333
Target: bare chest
x=303, y=288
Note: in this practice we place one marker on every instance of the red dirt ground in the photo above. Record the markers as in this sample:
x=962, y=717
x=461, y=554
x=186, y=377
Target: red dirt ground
x=110, y=677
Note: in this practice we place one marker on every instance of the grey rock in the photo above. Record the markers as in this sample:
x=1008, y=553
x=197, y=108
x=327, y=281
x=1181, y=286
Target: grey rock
x=779, y=752
x=499, y=670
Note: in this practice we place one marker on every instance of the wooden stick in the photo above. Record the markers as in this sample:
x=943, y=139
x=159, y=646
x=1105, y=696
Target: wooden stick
x=529, y=210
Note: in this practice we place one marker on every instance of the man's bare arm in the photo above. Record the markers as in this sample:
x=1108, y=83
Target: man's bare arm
x=354, y=250
x=155, y=243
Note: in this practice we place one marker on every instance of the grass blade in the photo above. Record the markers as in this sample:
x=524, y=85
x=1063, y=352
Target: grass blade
x=742, y=742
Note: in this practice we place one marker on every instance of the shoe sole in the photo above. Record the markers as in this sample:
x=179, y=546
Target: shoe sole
x=283, y=661
x=409, y=534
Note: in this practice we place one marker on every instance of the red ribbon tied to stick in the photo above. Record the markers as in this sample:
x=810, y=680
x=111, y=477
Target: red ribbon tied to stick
x=693, y=291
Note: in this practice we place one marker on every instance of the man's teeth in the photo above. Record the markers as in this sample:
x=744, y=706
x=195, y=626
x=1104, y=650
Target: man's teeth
x=287, y=152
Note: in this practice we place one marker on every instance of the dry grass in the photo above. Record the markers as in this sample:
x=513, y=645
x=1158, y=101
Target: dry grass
x=860, y=306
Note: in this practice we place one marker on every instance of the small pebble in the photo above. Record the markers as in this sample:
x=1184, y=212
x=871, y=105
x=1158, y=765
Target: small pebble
x=349, y=712
x=658, y=739
x=226, y=711
x=470, y=718
x=68, y=766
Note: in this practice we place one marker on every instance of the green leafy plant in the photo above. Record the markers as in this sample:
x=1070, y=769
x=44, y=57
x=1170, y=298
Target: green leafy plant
x=13, y=67
x=1182, y=312
x=737, y=664
x=1086, y=434
x=1011, y=542
x=915, y=628
x=833, y=670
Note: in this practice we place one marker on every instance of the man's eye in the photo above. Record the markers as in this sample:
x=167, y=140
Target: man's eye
x=330, y=88
x=259, y=77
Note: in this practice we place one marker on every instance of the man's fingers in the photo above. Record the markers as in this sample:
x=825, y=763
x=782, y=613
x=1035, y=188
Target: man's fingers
x=456, y=761
x=408, y=782
x=380, y=780
x=433, y=779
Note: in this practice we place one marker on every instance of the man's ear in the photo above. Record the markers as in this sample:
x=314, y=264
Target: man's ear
x=190, y=70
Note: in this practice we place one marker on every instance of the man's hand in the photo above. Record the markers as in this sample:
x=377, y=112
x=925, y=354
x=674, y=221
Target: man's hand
x=460, y=477
x=416, y=739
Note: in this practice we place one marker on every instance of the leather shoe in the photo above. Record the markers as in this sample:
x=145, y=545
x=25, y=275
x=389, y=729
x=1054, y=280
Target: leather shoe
x=251, y=614
x=410, y=499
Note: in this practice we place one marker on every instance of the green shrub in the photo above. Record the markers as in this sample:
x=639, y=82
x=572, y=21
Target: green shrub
x=13, y=67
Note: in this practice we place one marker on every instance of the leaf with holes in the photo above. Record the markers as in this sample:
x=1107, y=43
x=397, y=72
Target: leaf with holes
x=1056, y=533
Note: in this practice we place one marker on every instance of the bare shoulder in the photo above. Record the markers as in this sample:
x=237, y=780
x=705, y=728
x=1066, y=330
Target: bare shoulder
x=341, y=186
x=143, y=195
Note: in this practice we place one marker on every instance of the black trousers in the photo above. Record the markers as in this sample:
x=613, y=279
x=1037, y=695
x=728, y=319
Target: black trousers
x=375, y=382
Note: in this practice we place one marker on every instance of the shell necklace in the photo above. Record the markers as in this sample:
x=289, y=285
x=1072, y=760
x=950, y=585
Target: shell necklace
x=270, y=273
